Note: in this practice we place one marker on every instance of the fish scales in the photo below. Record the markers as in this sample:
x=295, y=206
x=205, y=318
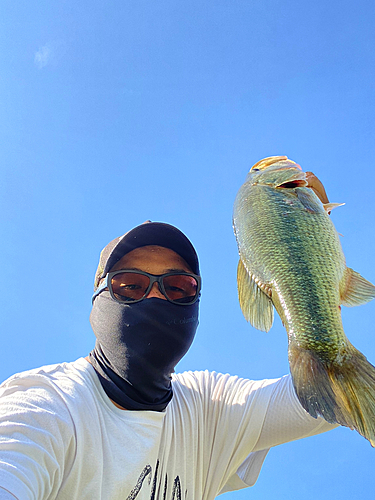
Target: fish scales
x=291, y=258
x=294, y=278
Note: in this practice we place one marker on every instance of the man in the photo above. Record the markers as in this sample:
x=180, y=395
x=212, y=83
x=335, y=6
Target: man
x=120, y=424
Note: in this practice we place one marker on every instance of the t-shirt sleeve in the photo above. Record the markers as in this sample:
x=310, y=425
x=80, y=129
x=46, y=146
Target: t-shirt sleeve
x=36, y=439
x=242, y=420
x=284, y=420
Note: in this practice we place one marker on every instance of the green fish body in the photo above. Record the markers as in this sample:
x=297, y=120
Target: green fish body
x=291, y=259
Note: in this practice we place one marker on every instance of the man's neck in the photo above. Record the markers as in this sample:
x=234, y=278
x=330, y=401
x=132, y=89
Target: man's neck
x=117, y=405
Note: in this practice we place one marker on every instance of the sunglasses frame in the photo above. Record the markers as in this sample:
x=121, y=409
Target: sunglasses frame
x=154, y=278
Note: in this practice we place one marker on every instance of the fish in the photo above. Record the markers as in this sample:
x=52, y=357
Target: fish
x=291, y=260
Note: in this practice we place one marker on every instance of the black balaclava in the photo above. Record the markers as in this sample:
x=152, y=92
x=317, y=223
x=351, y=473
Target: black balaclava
x=138, y=345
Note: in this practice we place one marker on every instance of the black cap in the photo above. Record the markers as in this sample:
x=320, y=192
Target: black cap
x=148, y=233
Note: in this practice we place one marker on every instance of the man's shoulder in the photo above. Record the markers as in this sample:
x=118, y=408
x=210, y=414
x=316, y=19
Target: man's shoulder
x=64, y=377
x=213, y=377
x=221, y=385
x=51, y=371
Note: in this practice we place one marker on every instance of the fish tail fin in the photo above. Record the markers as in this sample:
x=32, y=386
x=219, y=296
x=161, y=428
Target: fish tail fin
x=341, y=392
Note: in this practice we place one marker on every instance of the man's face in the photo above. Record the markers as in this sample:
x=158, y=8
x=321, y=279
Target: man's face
x=153, y=259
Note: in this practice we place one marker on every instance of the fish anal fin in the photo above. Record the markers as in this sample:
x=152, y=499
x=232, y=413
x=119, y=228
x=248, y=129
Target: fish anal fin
x=255, y=301
x=341, y=391
x=354, y=289
x=311, y=383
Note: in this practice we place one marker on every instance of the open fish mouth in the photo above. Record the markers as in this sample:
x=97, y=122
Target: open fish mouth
x=278, y=172
x=293, y=184
x=297, y=179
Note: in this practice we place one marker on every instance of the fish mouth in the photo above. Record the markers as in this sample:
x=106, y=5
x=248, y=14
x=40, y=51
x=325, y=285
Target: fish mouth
x=293, y=184
x=287, y=174
x=284, y=173
x=276, y=162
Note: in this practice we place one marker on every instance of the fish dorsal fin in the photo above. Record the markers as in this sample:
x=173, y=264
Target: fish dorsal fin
x=354, y=289
x=328, y=207
x=255, y=304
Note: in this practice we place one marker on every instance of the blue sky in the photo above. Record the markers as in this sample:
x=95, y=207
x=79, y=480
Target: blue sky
x=117, y=112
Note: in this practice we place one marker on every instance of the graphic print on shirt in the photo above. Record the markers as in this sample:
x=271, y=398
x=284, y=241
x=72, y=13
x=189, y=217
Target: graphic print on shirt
x=147, y=472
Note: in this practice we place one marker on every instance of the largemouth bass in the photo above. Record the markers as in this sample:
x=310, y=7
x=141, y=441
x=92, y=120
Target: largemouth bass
x=291, y=259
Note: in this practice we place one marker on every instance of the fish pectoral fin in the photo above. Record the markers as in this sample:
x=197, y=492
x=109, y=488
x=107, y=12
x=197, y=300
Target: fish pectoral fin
x=354, y=289
x=328, y=207
x=256, y=304
x=316, y=185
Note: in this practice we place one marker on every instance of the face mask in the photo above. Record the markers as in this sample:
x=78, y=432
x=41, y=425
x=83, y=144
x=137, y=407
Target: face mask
x=138, y=345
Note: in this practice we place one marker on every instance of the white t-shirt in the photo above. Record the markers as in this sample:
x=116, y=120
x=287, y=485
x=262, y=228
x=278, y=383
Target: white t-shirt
x=62, y=438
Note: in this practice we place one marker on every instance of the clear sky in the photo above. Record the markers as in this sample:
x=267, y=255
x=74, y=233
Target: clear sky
x=117, y=112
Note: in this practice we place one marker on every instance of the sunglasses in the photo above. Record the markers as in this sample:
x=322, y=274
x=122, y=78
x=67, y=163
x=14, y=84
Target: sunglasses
x=133, y=286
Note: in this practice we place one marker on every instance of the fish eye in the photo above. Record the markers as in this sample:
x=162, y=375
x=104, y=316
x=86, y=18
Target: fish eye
x=255, y=169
